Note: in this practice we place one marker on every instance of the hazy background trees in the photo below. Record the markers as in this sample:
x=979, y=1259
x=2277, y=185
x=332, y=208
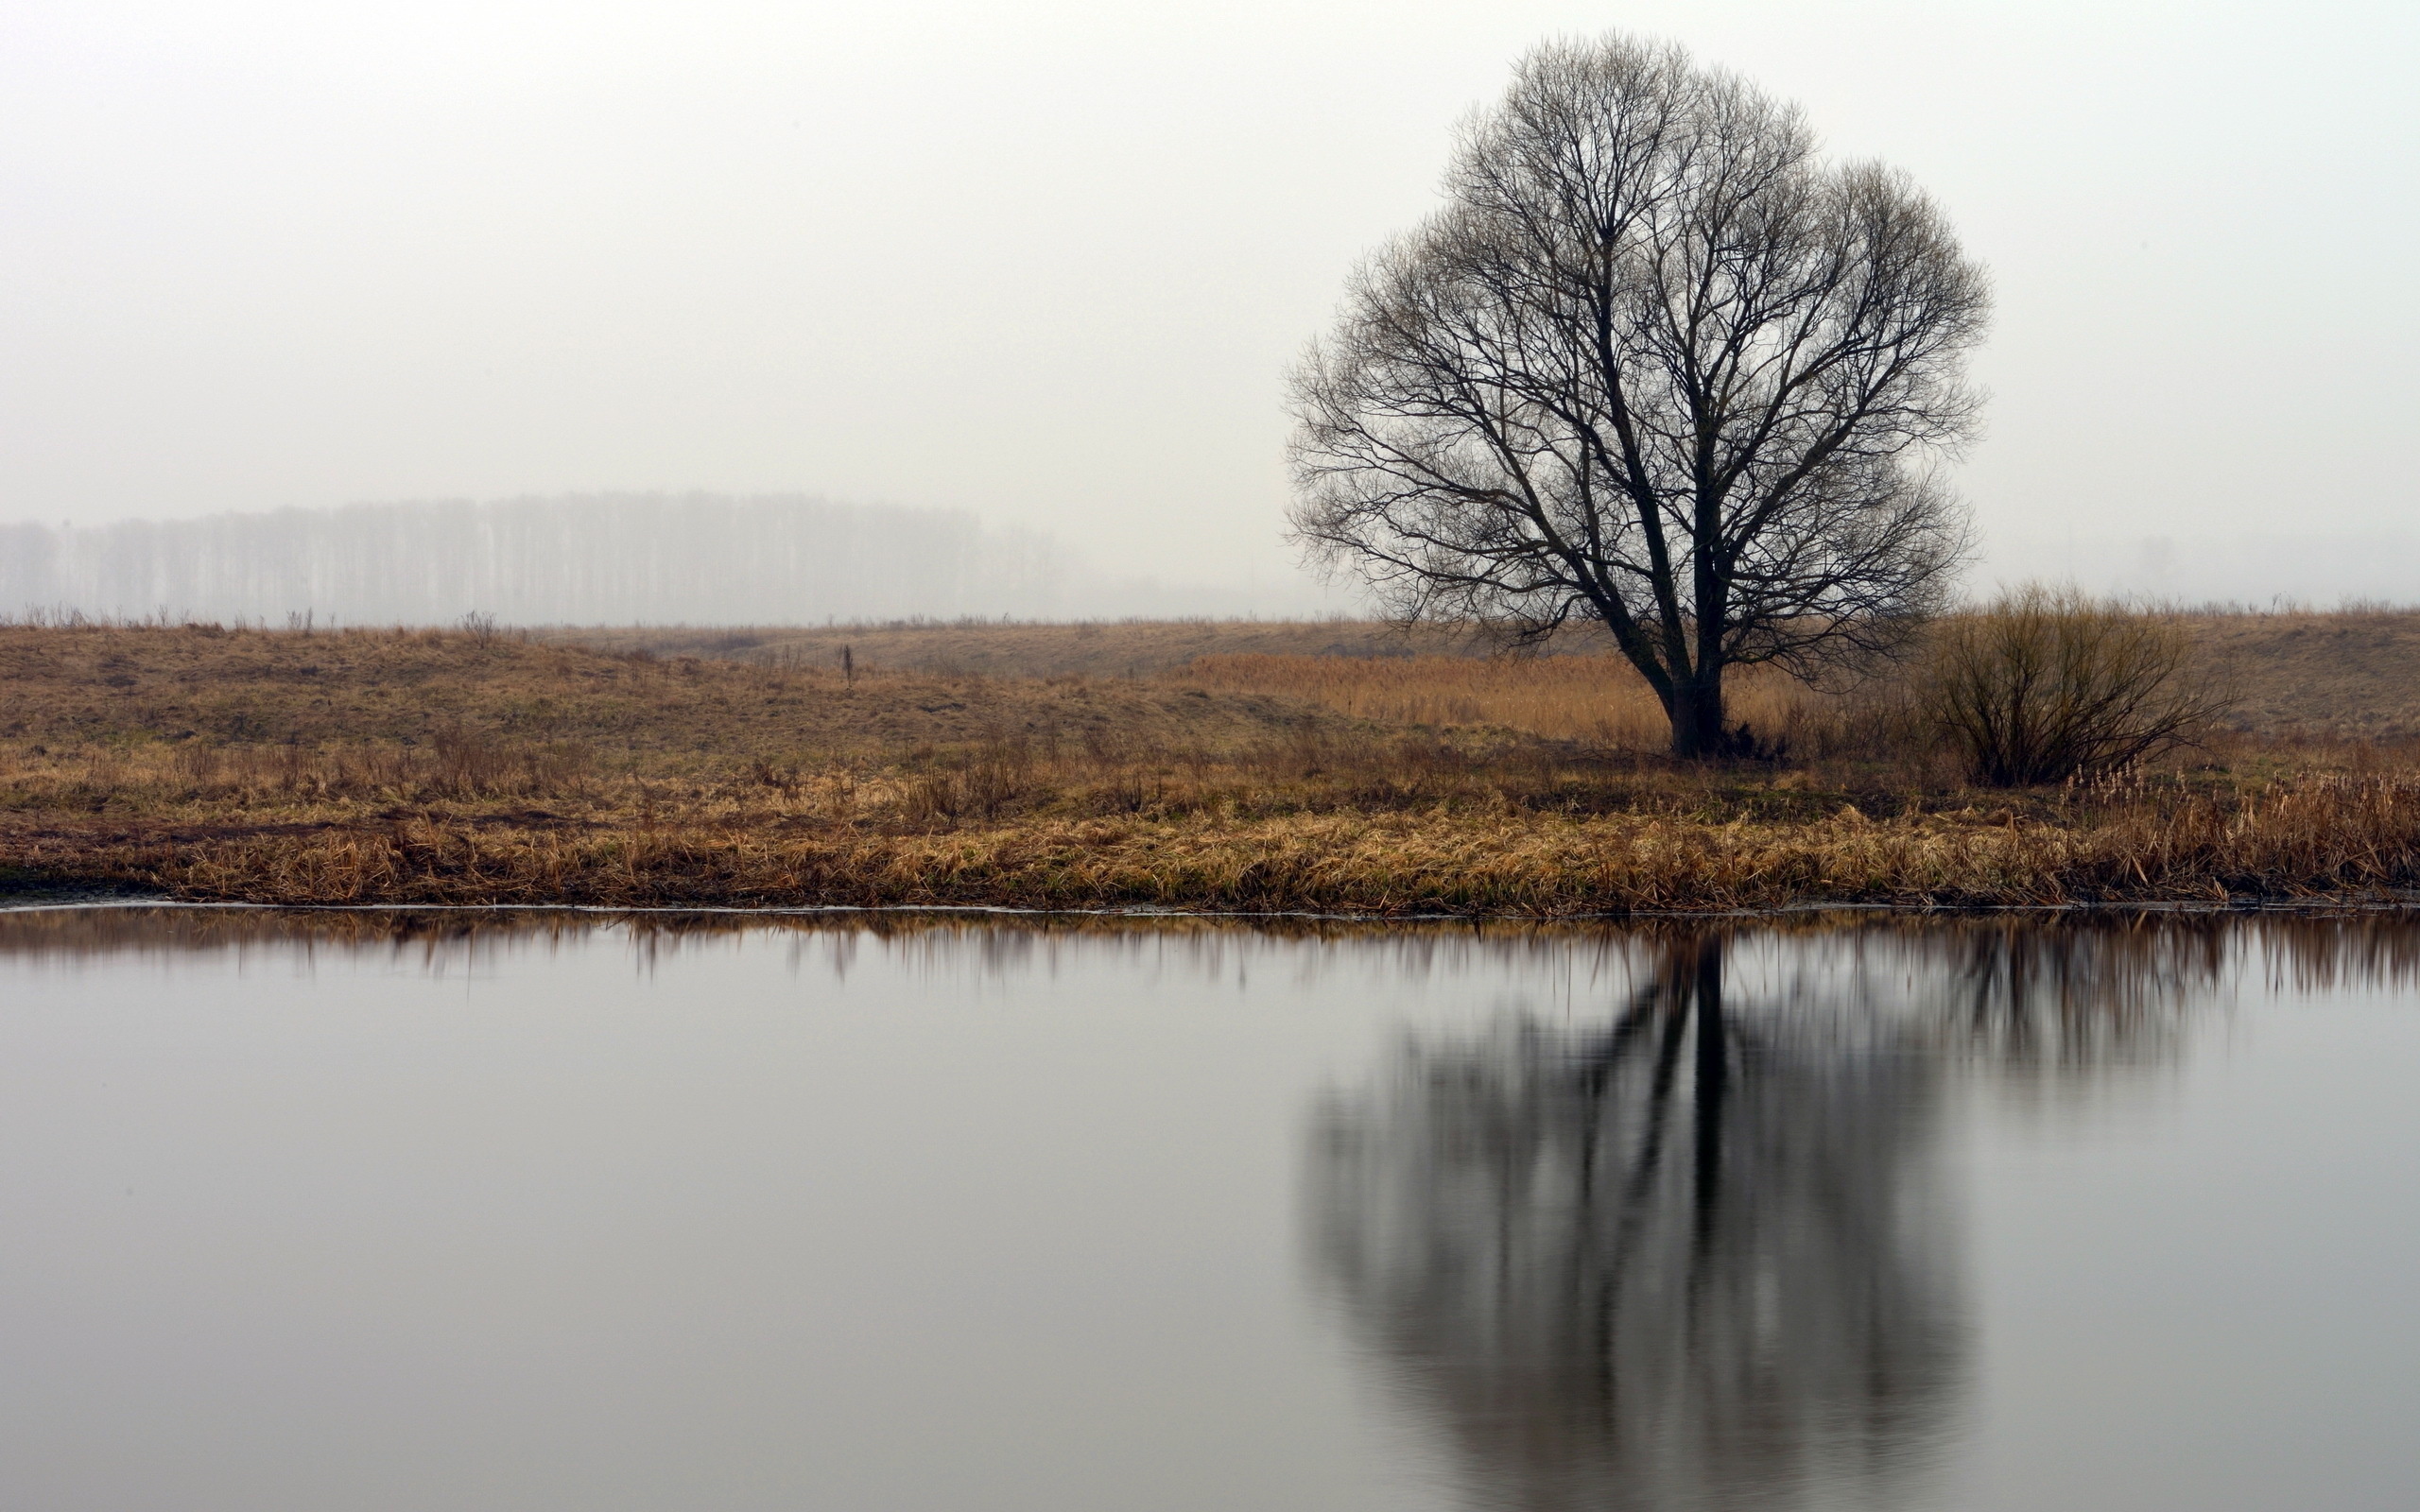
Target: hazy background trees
x=1658, y=364
x=698, y=558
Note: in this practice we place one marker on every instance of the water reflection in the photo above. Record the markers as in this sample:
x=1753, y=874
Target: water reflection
x=1657, y=1215
x=1691, y=1258
x=1697, y=1252
x=2046, y=986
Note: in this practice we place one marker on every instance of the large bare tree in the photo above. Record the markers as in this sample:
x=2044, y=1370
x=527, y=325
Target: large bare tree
x=1656, y=363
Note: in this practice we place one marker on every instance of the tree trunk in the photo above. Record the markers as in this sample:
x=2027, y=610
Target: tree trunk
x=1698, y=730
x=1713, y=1081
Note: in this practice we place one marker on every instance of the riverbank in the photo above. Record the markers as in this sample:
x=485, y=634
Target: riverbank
x=2340, y=836
x=423, y=767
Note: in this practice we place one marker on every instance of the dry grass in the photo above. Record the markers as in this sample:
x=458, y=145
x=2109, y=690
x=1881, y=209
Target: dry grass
x=421, y=767
x=1598, y=699
x=128, y=687
x=1139, y=649
x=2353, y=674
x=2347, y=674
x=2321, y=838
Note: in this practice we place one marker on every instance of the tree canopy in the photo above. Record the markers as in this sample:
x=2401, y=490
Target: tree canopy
x=1658, y=363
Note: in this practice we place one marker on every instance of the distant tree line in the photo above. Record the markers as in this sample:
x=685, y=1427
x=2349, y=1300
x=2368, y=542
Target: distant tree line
x=606, y=558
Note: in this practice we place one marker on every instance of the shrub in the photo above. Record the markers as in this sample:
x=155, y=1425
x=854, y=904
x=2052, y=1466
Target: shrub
x=2046, y=683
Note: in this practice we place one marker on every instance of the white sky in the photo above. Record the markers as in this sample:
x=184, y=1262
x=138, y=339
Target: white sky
x=1048, y=260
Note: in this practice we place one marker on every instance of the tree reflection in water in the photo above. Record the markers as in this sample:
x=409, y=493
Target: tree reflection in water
x=1701, y=1255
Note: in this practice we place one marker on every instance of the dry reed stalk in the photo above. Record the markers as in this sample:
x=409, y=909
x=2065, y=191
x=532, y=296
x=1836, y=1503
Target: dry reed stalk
x=2325, y=838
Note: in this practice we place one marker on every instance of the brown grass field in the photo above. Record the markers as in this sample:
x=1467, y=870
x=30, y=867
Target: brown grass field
x=2351, y=673
x=1327, y=768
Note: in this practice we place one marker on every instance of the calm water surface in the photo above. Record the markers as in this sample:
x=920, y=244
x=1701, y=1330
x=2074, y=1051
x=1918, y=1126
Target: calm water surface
x=409, y=1212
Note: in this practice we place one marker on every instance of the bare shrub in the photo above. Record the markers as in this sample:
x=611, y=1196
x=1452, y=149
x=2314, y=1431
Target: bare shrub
x=557, y=767
x=783, y=779
x=1129, y=790
x=473, y=764
x=103, y=776
x=197, y=763
x=986, y=783
x=935, y=798
x=996, y=780
x=468, y=761
x=2047, y=683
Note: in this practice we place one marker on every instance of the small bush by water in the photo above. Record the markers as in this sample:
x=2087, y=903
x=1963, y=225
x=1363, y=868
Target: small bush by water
x=2045, y=684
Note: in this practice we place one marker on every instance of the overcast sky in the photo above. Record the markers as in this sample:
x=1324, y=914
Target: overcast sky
x=1048, y=261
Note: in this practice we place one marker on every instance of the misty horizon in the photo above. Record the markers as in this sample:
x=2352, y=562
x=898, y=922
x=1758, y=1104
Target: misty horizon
x=606, y=558
x=1054, y=270
x=697, y=557
x=529, y=559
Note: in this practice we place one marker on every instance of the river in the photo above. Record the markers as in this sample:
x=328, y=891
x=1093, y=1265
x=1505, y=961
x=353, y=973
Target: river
x=422, y=1209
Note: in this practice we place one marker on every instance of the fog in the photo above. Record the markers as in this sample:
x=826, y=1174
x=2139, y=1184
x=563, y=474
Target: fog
x=1045, y=263
x=696, y=559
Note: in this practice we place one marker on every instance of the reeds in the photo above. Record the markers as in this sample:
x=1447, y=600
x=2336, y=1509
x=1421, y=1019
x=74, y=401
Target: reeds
x=2325, y=838
x=1361, y=822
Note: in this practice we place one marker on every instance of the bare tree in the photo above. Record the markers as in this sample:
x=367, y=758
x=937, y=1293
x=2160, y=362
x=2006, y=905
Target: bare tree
x=1657, y=363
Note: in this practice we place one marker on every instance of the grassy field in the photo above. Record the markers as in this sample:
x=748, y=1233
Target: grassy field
x=1324, y=767
x=1092, y=649
x=2349, y=674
